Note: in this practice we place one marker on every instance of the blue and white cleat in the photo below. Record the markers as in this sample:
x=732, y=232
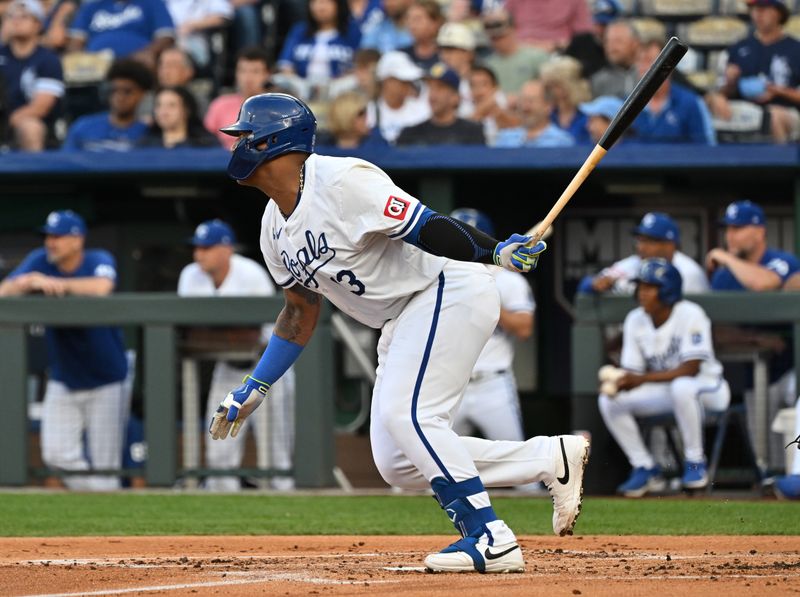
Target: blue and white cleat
x=695, y=475
x=642, y=481
x=470, y=555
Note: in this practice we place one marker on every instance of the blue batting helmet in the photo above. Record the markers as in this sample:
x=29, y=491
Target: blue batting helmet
x=666, y=276
x=279, y=122
x=475, y=218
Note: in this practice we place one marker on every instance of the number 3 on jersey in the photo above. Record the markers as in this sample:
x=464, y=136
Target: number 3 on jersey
x=350, y=278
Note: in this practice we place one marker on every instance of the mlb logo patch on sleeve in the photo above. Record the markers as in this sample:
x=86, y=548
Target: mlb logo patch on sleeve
x=396, y=208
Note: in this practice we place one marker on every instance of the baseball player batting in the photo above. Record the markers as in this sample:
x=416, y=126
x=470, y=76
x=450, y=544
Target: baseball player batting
x=339, y=227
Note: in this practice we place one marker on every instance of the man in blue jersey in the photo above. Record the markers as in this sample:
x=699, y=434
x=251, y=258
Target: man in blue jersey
x=85, y=391
x=118, y=129
x=34, y=83
x=138, y=29
x=747, y=263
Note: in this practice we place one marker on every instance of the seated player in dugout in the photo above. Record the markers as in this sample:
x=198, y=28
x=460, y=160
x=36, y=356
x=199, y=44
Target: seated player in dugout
x=668, y=366
x=656, y=236
x=341, y=228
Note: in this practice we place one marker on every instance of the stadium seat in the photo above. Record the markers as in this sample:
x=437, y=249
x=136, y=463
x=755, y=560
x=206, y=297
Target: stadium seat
x=649, y=28
x=733, y=8
x=677, y=9
x=793, y=26
x=713, y=32
x=721, y=420
x=706, y=80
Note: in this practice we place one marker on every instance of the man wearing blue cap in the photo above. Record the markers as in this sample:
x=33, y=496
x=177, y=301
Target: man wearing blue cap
x=764, y=69
x=657, y=236
x=444, y=126
x=218, y=271
x=87, y=366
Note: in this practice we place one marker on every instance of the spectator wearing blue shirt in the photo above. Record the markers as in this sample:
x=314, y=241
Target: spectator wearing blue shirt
x=85, y=390
x=118, y=129
x=33, y=79
x=561, y=76
x=764, y=69
x=390, y=33
x=321, y=48
x=748, y=264
x=138, y=29
x=675, y=114
x=534, y=106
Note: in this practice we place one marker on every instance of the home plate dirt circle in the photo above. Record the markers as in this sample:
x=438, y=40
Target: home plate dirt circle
x=388, y=565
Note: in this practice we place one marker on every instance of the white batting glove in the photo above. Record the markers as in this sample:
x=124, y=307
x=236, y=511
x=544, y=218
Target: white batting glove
x=514, y=254
x=237, y=406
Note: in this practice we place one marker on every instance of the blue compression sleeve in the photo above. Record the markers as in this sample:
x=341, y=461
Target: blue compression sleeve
x=276, y=360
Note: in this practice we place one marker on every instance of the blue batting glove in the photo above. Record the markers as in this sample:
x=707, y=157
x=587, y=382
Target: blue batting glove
x=237, y=406
x=514, y=254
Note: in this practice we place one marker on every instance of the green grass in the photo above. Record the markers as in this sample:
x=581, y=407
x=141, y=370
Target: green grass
x=57, y=514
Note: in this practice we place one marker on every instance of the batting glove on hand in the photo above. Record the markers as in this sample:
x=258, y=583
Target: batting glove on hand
x=513, y=253
x=237, y=406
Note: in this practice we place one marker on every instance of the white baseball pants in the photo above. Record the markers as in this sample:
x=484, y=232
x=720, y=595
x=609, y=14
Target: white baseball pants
x=491, y=404
x=686, y=397
x=101, y=413
x=272, y=424
x=425, y=358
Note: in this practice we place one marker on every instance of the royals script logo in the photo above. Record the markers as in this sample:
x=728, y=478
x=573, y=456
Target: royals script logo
x=305, y=264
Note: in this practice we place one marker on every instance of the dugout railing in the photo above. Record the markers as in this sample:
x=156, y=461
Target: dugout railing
x=160, y=315
x=593, y=315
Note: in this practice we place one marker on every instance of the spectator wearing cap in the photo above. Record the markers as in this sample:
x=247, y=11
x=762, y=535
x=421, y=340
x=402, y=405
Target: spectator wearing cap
x=390, y=33
x=136, y=29
x=444, y=126
x=402, y=98
x=599, y=113
x=656, y=236
x=534, y=107
x=675, y=114
x=32, y=76
x=118, y=129
x=587, y=47
x=87, y=366
x=747, y=263
x=562, y=77
x=764, y=69
x=621, y=45
x=489, y=103
x=218, y=271
x=513, y=62
x=424, y=21
x=549, y=24
x=457, y=50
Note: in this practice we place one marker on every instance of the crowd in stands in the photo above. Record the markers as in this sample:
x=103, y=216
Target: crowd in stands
x=120, y=74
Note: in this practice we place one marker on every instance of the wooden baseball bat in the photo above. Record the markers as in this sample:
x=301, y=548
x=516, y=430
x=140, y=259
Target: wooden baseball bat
x=655, y=76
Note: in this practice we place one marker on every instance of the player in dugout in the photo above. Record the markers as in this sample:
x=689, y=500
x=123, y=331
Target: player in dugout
x=340, y=228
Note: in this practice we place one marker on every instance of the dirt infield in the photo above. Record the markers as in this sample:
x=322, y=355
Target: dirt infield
x=233, y=566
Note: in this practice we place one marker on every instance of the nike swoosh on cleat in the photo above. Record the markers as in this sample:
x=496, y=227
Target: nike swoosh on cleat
x=490, y=555
x=565, y=479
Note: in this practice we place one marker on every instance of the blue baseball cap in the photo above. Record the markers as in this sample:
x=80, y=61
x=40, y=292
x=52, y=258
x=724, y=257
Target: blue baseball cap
x=743, y=213
x=605, y=105
x=64, y=223
x=658, y=225
x=213, y=232
x=606, y=11
x=441, y=72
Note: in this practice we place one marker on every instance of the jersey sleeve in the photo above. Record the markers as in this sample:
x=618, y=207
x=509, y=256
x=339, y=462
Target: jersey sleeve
x=515, y=293
x=631, y=357
x=33, y=262
x=102, y=265
x=783, y=265
x=50, y=78
x=371, y=203
x=184, y=281
x=79, y=27
x=696, y=343
x=161, y=20
x=272, y=258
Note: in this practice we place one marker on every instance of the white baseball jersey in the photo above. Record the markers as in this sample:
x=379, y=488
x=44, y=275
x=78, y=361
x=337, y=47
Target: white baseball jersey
x=341, y=240
x=515, y=295
x=245, y=278
x=685, y=336
x=624, y=271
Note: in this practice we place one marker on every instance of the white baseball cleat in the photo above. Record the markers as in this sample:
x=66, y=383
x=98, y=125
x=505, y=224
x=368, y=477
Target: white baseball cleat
x=566, y=488
x=466, y=555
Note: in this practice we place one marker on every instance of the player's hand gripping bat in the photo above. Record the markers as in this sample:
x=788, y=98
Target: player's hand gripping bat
x=658, y=72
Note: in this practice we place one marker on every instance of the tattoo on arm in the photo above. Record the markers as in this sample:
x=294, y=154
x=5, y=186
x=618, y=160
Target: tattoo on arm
x=298, y=318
